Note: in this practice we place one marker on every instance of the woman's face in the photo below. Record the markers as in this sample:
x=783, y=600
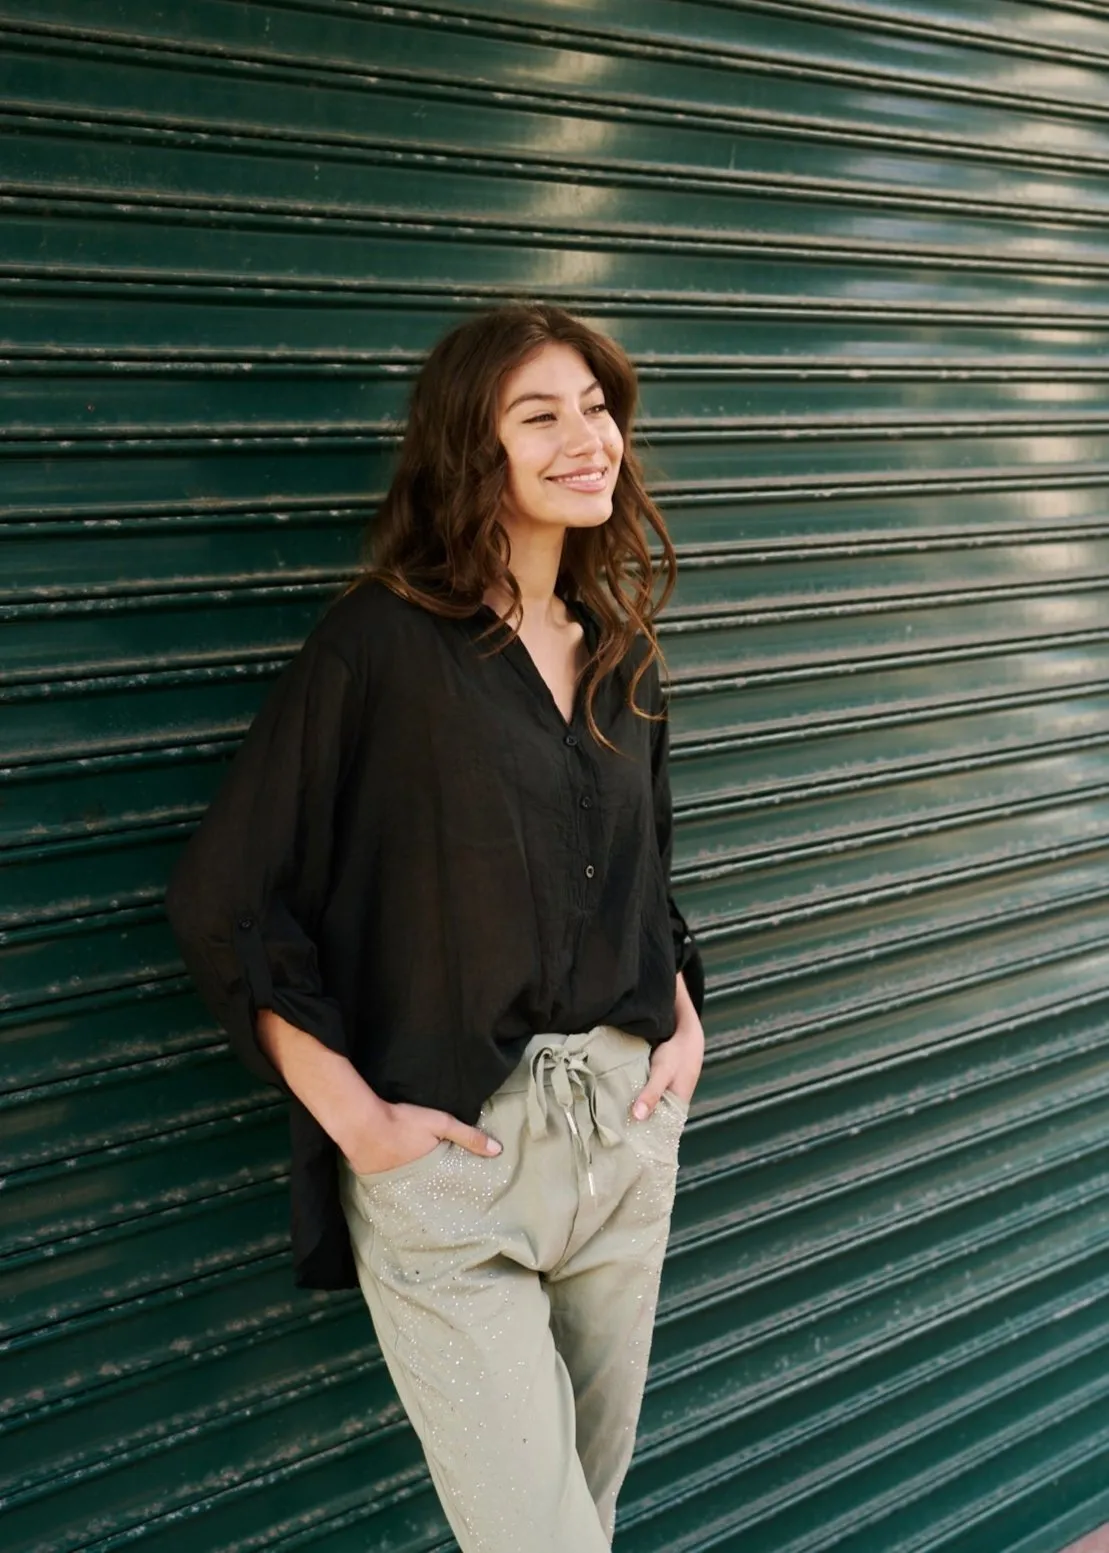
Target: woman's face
x=564, y=448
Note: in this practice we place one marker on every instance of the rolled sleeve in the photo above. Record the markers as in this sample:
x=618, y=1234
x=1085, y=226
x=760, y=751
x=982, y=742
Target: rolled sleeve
x=247, y=893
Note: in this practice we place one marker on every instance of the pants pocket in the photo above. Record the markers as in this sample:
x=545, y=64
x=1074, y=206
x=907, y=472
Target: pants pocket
x=676, y=1104
x=656, y=1138
x=380, y=1181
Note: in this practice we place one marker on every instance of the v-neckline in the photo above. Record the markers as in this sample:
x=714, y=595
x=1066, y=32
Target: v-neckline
x=529, y=670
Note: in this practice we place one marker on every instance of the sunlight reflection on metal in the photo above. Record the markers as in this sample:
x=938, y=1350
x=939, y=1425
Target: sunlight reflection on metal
x=1059, y=506
x=1056, y=450
x=1061, y=138
x=1056, y=393
x=570, y=203
x=1080, y=611
x=1062, y=559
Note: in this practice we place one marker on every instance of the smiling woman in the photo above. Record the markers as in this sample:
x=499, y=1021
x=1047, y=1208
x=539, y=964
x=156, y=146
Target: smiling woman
x=431, y=902
x=555, y=415
x=563, y=450
x=518, y=444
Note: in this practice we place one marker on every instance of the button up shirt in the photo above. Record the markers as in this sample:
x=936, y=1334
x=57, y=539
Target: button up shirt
x=417, y=859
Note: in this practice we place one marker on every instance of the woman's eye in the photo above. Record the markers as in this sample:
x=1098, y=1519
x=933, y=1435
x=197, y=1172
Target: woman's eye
x=548, y=415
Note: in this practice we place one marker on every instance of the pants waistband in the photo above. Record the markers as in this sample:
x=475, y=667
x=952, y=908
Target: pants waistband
x=569, y=1066
x=607, y=1046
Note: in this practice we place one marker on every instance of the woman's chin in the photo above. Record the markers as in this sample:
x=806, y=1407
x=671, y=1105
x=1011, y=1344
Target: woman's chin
x=589, y=513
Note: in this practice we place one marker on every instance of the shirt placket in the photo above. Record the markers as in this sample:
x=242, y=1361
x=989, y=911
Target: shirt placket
x=584, y=800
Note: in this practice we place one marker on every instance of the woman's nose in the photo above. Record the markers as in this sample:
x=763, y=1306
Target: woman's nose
x=582, y=437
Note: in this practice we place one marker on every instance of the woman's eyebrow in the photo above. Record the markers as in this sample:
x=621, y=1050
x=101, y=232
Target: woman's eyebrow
x=549, y=397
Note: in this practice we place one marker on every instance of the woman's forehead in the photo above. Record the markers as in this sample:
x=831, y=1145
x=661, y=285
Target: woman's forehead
x=553, y=369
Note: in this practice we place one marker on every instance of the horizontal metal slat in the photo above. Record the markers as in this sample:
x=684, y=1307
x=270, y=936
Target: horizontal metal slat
x=64, y=405
x=500, y=47
x=97, y=1034
x=778, y=1441
x=864, y=941
x=794, y=464
x=881, y=634
x=156, y=785
x=243, y=184
x=1042, y=1434
x=798, y=1046
x=422, y=106
x=252, y=1223
x=184, y=313
x=781, y=158
x=1061, y=35
x=743, y=1127
x=69, y=1123
x=289, y=548
x=78, y=1518
x=75, y=1449
x=122, y=949
x=86, y=1194
x=812, y=1465
x=68, y=1363
x=137, y=636
x=110, y=793
x=51, y=235
x=811, y=1347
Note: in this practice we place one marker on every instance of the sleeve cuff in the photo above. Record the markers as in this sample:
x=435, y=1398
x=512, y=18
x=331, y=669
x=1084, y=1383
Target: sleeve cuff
x=692, y=968
x=304, y=1007
x=319, y=1016
x=687, y=957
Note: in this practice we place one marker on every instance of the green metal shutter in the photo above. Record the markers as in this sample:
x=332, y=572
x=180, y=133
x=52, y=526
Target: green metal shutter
x=859, y=252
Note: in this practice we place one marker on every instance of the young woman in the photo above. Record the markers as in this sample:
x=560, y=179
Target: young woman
x=431, y=903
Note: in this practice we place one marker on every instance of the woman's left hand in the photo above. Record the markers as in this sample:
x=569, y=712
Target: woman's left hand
x=676, y=1063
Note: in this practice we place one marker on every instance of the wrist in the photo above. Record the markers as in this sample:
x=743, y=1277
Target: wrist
x=325, y=1082
x=689, y=1032
x=356, y=1116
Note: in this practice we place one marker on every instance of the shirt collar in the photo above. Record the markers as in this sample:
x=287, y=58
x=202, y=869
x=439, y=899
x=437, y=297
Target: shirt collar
x=577, y=607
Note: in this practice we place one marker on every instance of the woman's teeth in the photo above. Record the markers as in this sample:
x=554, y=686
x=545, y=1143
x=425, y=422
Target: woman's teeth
x=583, y=482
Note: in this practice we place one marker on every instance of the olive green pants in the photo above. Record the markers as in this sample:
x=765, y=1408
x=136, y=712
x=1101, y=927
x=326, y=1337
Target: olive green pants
x=514, y=1297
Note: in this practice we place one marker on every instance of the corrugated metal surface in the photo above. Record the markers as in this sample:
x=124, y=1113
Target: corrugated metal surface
x=860, y=253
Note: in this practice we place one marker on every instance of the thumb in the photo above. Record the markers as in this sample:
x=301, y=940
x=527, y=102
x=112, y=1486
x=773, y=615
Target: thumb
x=650, y=1094
x=470, y=1138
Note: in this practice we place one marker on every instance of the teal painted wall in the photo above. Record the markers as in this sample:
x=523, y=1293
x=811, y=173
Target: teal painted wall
x=859, y=252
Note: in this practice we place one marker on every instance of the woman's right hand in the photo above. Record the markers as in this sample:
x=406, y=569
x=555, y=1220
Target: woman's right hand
x=372, y=1133
x=400, y=1133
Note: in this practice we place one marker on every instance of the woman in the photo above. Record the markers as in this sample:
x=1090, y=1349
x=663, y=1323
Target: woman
x=431, y=903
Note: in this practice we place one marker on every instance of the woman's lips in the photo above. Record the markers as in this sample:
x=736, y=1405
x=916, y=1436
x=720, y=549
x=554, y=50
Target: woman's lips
x=582, y=479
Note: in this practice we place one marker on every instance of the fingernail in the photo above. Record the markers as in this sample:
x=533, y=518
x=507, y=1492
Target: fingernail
x=639, y=1110
x=492, y=1146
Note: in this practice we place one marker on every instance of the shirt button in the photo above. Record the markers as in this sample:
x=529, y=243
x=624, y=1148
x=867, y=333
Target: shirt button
x=586, y=801
x=571, y=739
x=589, y=870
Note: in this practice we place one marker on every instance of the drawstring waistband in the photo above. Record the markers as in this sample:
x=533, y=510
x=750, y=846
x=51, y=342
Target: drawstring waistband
x=568, y=1069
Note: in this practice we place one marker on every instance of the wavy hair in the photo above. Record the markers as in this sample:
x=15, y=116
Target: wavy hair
x=436, y=539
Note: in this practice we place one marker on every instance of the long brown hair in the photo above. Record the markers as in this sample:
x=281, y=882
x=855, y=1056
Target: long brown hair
x=436, y=539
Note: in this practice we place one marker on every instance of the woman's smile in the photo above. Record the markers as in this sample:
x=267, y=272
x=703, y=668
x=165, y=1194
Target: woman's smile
x=592, y=479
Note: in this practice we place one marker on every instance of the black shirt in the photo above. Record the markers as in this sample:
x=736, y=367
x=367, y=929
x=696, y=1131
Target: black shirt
x=417, y=859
